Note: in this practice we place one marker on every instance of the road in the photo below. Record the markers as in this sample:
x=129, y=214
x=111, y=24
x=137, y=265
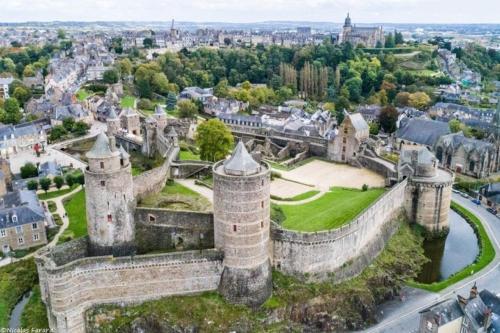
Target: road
x=400, y=317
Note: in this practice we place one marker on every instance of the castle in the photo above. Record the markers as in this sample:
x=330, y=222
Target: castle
x=131, y=255
x=367, y=36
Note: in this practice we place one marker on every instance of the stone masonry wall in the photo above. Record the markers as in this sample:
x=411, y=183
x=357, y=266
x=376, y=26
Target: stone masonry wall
x=81, y=284
x=162, y=229
x=319, y=253
x=153, y=181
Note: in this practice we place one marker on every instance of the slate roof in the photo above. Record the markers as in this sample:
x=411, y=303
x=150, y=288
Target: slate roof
x=24, y=205
x=101, y=148
x=240, y=162
x=422, y=131
x=443, y=312
x=49, y=168
x=358, y=122
x=455, y=140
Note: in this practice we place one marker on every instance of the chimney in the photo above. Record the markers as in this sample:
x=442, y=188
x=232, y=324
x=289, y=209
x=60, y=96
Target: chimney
x=473, y=291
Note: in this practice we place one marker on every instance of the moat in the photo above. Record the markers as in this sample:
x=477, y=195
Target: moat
x=451, y=254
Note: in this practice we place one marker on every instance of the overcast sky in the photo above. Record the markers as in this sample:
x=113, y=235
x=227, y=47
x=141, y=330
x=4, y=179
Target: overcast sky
x=362, y=11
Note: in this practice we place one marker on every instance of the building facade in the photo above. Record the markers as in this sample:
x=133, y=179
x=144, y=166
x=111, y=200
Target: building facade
x=366, y=36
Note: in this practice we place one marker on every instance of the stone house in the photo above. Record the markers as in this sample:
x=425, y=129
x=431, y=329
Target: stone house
x=5, y=82
x=479, y=313
x=422, y=132
x=22, y=137
x=351, y=134
x=469, y=156
x=22, y=221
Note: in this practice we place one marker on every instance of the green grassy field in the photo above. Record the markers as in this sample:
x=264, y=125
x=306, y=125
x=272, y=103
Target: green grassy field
x=175, y=196
x=55, y=194
x=486, y=254
x=299, y=197
x=82, y=94
x=15, y=280
x=75, y=208
x=188, y=155
x=330, y=211
x=127, y=102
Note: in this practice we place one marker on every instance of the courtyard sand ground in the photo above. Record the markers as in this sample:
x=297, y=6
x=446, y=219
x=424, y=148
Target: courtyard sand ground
x=323, y=175
x=286, y=189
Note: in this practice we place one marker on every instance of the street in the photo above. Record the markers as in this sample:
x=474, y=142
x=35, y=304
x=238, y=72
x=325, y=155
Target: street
x=400, y=317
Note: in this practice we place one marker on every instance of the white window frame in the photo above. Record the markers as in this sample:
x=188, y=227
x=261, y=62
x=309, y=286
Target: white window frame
x=36, y=237
x=19, y=229
x=20, y=240
x=3, y=233
x=34, y=226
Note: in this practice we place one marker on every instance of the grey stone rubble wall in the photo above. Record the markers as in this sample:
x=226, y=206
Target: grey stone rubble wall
x=379, y=165
x=86, y=282
x=152, y=181
x=320, y=253
x=187, y=168
x=162, y=229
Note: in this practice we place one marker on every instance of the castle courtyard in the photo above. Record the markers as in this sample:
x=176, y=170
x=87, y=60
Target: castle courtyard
x=324, y=175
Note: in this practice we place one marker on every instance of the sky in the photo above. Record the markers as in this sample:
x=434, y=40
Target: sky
x=243, y=11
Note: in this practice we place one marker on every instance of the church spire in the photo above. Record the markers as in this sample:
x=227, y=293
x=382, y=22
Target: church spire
x=347, y=22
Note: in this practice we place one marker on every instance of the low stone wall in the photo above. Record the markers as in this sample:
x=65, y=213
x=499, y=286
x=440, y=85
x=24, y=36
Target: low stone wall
x=152, y=181
x=162, y=229
x=86, y=282
x=319, y=254
x=185, y=169
x=379, y=165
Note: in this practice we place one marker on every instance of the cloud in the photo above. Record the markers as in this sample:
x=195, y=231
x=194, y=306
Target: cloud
x=362, y=11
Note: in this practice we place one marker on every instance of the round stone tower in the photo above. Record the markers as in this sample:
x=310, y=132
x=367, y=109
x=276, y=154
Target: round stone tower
x=113, y=123
x=161, y=118
x=110, y=200
x=428, y=193
x=241, y=227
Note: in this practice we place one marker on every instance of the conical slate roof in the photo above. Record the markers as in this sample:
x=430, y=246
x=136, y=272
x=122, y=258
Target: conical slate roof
x=123, y=152
x=172, y=132
x=101, y=148
x=241, y=163
x=112, y=114
x=159, y=110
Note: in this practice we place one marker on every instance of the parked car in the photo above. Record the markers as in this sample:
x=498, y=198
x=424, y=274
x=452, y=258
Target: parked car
x=492, y=211
x=454, y=190
x=465, y=195
x=476, y=201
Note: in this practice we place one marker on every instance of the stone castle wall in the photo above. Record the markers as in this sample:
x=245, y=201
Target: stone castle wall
x=69, y=290
x=152, y=181
x=319, y=253
x=162, y=229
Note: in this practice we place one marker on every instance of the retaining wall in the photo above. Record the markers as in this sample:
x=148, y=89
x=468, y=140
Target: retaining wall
x=69, y=290
x=162, y=229
x=317, y=254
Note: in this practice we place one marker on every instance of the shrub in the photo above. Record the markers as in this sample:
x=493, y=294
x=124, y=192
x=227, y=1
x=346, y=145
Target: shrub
x=29, y=170
x=365, y=187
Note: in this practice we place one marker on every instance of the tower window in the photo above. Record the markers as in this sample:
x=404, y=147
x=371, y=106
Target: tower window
x=103, y=183
x=152, y=218
x=262, y=204
x=234, y=227
x=262, y=224
x=110, y=218
x=102, y=165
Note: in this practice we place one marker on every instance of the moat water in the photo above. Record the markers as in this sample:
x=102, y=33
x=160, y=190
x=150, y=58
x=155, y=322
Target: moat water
x=451, y=254
x=15, y=316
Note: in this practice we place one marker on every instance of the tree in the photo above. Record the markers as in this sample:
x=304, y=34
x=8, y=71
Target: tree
x=389, y=41
x=171, y=101
x=187, y=109
x=22, y=94
x=419, y=100
x=80, y=179
x=32, y=185
x=402, y=99
x=374, y=128
x=398, y=38
x=45, y=183
x=125, y=67
x=59, y=182
x=70, y=179
x=221, y=89
x=353, y=85
x=145, y=104
x=29, y=170
x=214, y=140
x=387, y=119
x=12, y=111
x=57, y=132
x=148, y=43
x=61, y=34
x=111, y=76
x=454, y=125
x=68, y=123
x=80, y=128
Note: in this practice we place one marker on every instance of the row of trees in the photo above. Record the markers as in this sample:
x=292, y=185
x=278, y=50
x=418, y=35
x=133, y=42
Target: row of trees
x=45, y=183
x=69, y=126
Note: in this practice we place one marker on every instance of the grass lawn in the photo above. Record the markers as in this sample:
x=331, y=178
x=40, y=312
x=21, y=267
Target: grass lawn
x=299, y=197
x=330, y=211
x=82, y=94
x=175, y=196
x=34, y=315
x=55, y=194
x=486, y=253
x=16, y=279
x=127, y=102
x=75, y=208
x=188, y=155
